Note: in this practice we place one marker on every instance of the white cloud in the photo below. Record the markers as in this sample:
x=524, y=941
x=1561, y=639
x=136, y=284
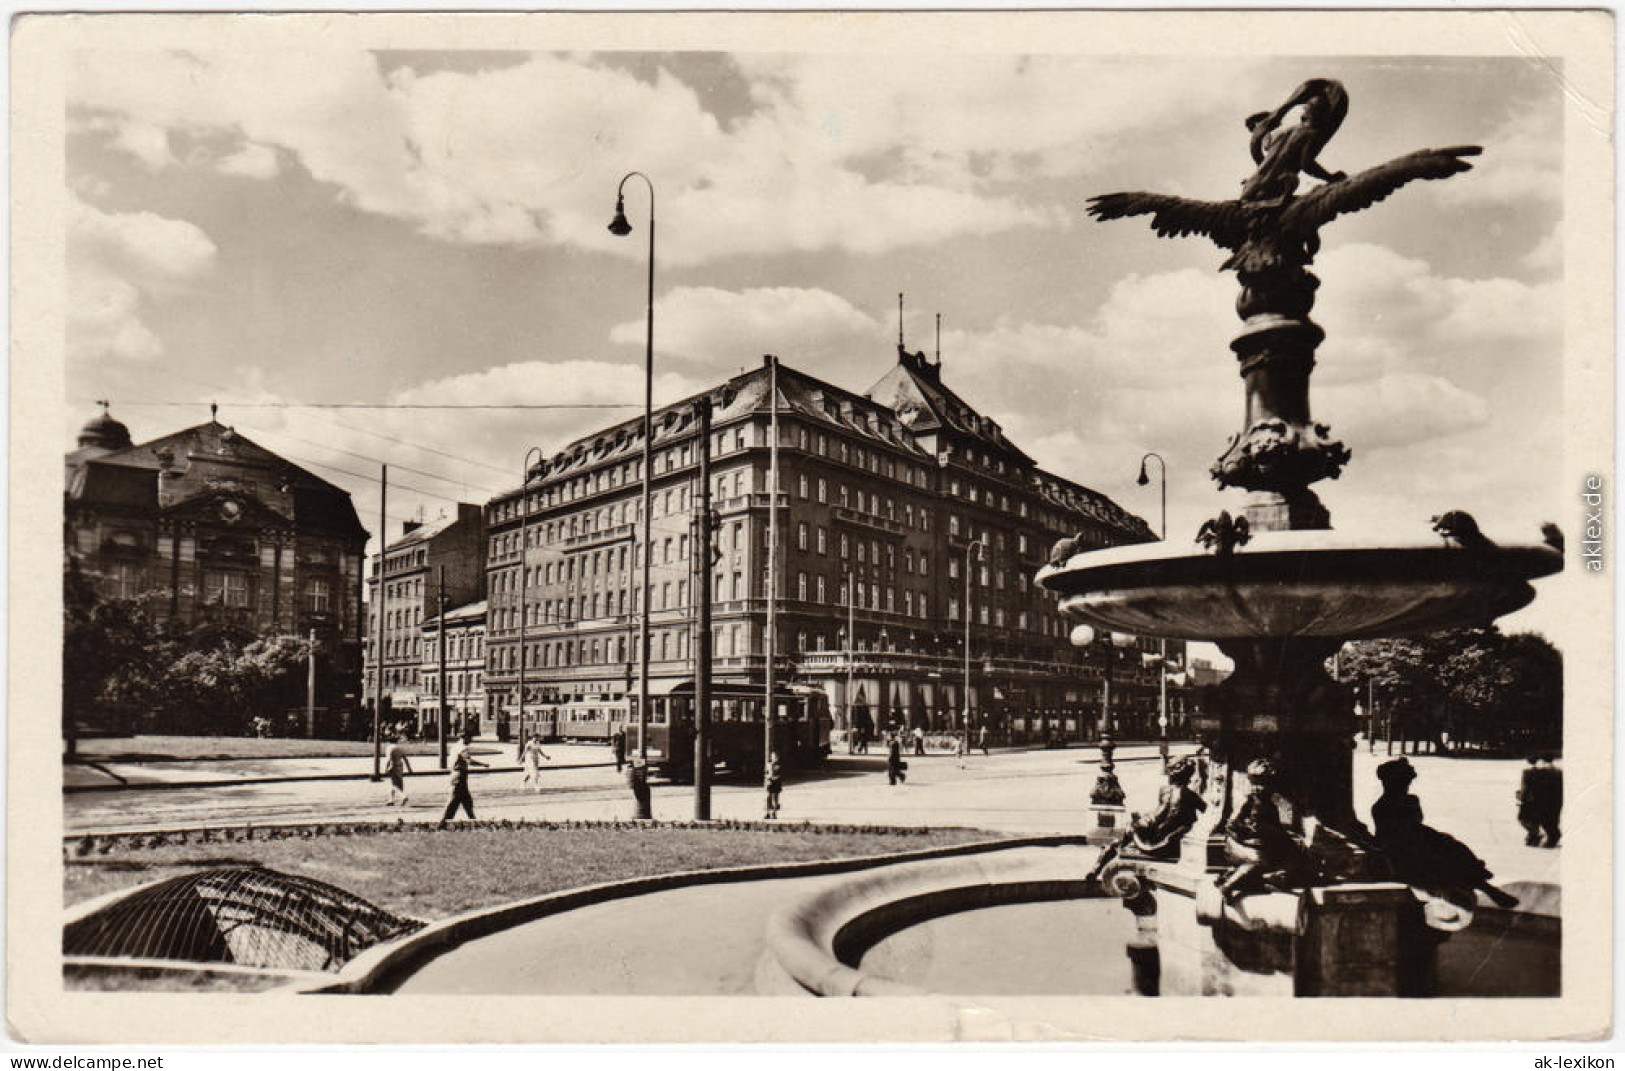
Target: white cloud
x=926, y=151
x=724, y=328
x=1522, y=162
x=144, y=141
x=251, y=161
x=117, y=262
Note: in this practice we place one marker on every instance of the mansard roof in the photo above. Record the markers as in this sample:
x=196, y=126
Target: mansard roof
x=129, y=476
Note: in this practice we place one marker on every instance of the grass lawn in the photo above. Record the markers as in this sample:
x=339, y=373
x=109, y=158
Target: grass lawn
x=426, y=874
x=158, y=748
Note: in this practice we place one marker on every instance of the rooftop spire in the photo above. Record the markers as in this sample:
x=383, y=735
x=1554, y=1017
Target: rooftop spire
x=939, y=340
x=900, y=349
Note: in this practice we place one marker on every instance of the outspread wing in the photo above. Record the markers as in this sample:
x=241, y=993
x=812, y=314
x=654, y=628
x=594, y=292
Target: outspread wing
x=1327, y=202
x=1176, y=217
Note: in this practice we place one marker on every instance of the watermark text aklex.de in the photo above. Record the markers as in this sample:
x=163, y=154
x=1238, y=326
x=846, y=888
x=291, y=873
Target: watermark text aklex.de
x=1591, y=533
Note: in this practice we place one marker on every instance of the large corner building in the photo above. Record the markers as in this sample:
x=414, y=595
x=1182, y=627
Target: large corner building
x=885, y=500
x=219, y=533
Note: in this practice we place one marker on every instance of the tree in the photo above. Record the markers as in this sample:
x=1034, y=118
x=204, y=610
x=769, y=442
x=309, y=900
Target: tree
x=118, y=655
x=113, y=654
x=1476, y=685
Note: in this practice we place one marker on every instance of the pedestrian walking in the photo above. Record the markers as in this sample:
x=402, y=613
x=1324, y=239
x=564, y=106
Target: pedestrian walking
x=896, y=768
x=460, y=764
x=1529, y=801
x=637, y=778
x=398, y=766
x=617, y=744
x=1551, y=811
x=533, y=756
x=919, y=741
x=961, y=747
x=981, y=738
x=773, y=781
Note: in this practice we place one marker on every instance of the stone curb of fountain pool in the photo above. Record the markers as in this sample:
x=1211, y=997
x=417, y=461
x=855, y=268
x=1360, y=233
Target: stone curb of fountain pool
x=810, y=944
x=381, y=968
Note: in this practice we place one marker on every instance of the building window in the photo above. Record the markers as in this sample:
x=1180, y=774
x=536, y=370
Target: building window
x=227, y=589
x=953, y=568
x=801, y=484
x=823, y=488
x=953, y=609
x=842, y=495
x=843, y=546
x=801, y=535
x=318, y=592
x=823, y=543
x=820, y=589
x=801, y=586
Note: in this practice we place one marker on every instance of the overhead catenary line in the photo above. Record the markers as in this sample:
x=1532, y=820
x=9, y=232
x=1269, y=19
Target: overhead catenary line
x=418, y=446
x=403, y=405
x=376, y=460
x=403, y=442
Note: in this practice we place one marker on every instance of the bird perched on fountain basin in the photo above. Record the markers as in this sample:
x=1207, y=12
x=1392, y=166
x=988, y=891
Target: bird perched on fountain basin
x=1458, y=529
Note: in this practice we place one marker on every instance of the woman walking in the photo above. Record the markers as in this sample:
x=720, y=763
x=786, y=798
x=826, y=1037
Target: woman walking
x=533, y=755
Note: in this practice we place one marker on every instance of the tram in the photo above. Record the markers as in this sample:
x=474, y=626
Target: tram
x=735, y=734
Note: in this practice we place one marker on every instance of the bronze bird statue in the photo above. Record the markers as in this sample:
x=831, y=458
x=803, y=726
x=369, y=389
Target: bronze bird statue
x=1552, y=536
x=1281, y=232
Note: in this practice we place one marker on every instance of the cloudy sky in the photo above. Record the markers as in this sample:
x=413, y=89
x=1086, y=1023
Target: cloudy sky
x=429, y=227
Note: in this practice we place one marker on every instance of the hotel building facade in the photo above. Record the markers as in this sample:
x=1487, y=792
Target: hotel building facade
x=903, y=515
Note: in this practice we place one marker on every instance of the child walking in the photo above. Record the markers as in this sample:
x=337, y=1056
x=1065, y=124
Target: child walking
x=773, y=779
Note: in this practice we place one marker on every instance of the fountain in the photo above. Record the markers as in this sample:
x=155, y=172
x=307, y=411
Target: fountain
x=1278, y=888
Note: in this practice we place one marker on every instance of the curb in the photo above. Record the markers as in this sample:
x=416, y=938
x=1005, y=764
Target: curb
x=811, y=943
x=160, y=786
x=101, y=843
x=382, y=968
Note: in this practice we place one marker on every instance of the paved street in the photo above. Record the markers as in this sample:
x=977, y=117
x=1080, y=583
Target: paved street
x=1015, y=792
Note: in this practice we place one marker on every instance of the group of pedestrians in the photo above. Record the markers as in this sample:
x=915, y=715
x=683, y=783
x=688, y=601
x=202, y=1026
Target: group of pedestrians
x=397, y=765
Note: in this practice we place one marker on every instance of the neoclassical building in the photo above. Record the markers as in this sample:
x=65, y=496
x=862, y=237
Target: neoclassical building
x=216, y=532
x=886, y=499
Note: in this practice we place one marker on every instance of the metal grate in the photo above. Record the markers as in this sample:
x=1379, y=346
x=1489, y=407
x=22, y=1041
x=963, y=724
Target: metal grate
x=246, y=915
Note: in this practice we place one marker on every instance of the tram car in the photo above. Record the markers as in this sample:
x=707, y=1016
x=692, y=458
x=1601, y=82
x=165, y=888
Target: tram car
x=735, y=733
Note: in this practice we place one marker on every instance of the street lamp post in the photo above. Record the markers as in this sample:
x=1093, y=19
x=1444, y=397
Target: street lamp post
x=1162, y=644
x=620, y=228
x=524, y=576
x=980, y=547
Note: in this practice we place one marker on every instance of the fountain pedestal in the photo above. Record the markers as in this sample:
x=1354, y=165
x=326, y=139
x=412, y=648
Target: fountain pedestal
x=1365, y=939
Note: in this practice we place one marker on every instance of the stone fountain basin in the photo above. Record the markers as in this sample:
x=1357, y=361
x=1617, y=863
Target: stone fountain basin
x=1298, y=584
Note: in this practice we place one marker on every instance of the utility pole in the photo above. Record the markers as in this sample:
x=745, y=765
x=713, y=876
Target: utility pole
x=978, y=546
x=310, y=687
x=441, y=720
x=378, y=661
x=851, y=647
x=772, y=555
x=704, y=563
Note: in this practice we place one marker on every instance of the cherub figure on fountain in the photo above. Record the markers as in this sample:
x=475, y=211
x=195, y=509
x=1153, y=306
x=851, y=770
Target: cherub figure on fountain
x=1266, y=853
x=1420, y=855
x=1157, y=835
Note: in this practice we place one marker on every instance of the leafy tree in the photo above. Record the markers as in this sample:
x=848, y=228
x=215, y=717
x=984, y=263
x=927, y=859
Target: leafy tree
x=1476, y=685
x=118, y=654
